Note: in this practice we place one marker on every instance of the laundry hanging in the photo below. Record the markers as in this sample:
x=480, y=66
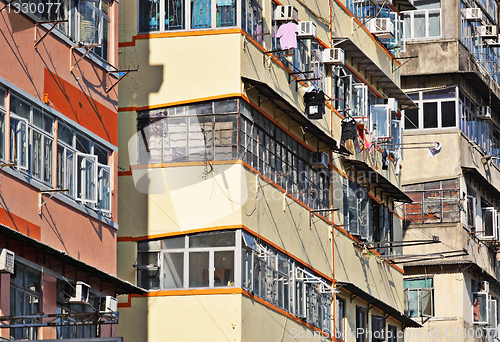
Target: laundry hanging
x=314, y=102
x=435, y=150
x=350, y=133
x=287, y=33
x=384, y=160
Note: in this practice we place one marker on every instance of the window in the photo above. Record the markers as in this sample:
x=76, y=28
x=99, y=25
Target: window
x=378, y=328
x=471, y=209
x=437, y=110
x=251, y=17
x=433, y=202
x=480, y=308
x=168, y=15
x=489, y=229
x=339, y=317
x=356, y=209
x=392, y=333
x=425, y=21
x=25, y=294
x=361, y=324
x=419, y=300
x=211, y=260
x=103, y=50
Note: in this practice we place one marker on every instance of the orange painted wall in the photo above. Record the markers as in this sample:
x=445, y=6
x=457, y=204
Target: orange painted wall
x=78, y=93
x=60, y=226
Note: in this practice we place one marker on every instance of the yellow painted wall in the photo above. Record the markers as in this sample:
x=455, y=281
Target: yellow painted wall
x=368, y=272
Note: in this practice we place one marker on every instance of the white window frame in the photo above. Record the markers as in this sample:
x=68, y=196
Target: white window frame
x=411, y=15
x=387, y=120
x=101, y=187
x=487, y=301
x=83, y=179
x=494, y=221
x=19, y=137
x=43, y=156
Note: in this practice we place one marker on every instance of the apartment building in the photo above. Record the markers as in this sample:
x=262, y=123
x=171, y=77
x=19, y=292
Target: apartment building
x=245, y=208
x=58, y=171
x=452, y=288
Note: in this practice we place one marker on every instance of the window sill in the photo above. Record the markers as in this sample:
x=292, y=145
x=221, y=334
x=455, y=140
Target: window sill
x=61, y=197
x=187, y=30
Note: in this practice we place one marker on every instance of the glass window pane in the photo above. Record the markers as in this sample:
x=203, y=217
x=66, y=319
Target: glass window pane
x=226, y=13
x=174, y=242
x=65, y=134
x=430, y=115
x=2, y=135
x=19, y=107
x=435, y=23
x=36, y=163
x=419, y=24
x=47, y=161
x=149, y=15
x=224, y=268
x=198, y=269
x=448, y=115
x=173, y=274
x=200, y=14
x=411, y=119
x=427, y=4
x=149, y=279
x=89, y=22
x=174, y=15
x=212, y=240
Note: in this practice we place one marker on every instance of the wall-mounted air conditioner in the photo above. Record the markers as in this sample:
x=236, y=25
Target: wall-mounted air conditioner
x=381, y=27
x=7, y=261
x=487, y=31
x=494, y=42
x=473, y=14
x=393, y=105
x=484, y=286
x=319, y=160
x=484, y=112
x=307, y=30
x=333, y=56
x=80, y=293
x=108, y=305
x=286, y=13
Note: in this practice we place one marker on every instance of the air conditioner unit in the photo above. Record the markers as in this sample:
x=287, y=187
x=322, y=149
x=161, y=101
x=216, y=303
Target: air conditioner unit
x=484, y=112
x=473, y=14
x=494, y=42
x=108, y=305
x=381, y=2
x=393, y=105
x=333, y=56
x=7, y=261
x=487, y=31
x=484, y=286
x=307, y=30
x=286, y=13
x=381, y=27
x=80, y=293
x=319, y=160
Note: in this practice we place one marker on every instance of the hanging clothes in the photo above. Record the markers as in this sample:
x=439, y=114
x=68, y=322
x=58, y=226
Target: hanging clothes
x=314, y=102
x=384, y=160
x=398, y=163
x=350, y=132
x=435, y=150
x=287, y=33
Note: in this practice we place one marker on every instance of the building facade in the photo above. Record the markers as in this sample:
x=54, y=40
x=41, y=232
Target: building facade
x=452, y=288
x=58, y=161
x=245, y=209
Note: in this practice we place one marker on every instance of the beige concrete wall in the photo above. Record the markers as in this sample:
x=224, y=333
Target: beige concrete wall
x=418, y=167
x=367, y=271
x=261, y=323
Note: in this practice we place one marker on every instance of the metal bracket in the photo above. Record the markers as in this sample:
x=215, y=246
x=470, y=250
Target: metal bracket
x=291, y=78
x=40, y=194
x=351, y=297
x=408, y=60
x=267, y=53
x=7, y=164
x=88, y=47
x=370, y=306
x=55, y=22
x=126, y=72
x=318, y=211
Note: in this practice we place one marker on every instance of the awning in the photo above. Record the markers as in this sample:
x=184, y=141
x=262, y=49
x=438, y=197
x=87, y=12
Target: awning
x=380, y=181
x=485, y=183
x=299, y=117
x=407, y=321
x=122, y=286
x=404, y=5
x=391, y=89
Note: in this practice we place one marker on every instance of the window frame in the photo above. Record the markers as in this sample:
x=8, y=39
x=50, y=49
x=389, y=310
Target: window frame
x=420, y=298
x=411, y=16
